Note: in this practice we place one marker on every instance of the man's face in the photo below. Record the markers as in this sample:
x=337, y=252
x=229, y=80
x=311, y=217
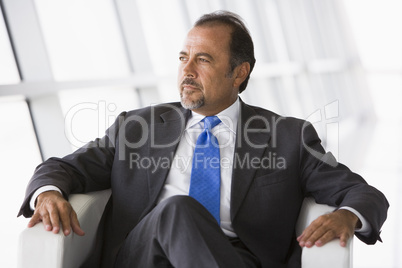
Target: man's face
x=205, y=82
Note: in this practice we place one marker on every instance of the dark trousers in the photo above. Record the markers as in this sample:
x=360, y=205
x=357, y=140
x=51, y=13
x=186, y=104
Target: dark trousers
x=180, y=232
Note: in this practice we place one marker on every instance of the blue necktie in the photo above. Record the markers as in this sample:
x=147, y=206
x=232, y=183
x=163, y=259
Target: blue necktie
x=205, y=174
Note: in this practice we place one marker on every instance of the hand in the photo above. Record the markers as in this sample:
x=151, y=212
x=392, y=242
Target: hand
x=55, y=212
x=338, y=224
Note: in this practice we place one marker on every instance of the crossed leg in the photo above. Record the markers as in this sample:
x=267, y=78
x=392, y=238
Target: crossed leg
x=180, y=232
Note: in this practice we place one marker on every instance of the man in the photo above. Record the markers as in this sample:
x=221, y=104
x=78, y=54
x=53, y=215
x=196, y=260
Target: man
x=266, y=165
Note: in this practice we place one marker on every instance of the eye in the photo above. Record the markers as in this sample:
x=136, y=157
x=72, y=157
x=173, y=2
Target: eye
x=182, y=58
x=204, y=60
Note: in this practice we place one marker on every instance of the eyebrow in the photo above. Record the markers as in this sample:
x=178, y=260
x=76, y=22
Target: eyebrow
x=200, y=54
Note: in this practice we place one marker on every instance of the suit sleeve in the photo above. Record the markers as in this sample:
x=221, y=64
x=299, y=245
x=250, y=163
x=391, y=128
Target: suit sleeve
x=332, y=183
x=87, y=169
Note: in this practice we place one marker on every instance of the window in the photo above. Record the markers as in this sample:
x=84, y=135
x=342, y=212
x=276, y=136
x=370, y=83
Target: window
x=83, y=39
x=19, y=157
x=164, y=35
x=8, y=69
x=89, y=112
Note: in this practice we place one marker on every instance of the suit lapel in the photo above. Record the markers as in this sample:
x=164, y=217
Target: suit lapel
x=251, y=142
x=166, y=137
x=252, y=138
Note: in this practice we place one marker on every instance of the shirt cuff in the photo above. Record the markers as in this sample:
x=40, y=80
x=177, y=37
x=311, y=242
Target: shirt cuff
x=366, y=228
x=40, y=190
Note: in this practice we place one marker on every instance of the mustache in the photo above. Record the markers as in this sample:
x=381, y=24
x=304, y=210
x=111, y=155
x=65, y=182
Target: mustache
x=190, y=82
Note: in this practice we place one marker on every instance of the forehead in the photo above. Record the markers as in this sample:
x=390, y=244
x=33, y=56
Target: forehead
x=211, y=38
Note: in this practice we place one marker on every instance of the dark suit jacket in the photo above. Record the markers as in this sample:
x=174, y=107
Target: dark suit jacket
x=276, y=165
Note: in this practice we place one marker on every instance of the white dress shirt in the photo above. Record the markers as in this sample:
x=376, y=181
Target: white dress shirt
x=178, y=179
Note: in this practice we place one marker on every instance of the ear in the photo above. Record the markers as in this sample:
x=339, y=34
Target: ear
x=240, y=73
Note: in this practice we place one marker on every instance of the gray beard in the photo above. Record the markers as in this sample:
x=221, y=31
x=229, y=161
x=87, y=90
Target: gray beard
x=192, y=104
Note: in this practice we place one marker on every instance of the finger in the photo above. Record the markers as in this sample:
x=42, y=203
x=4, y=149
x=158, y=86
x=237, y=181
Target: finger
x=306, y=233
x=316, y=238
x=344, y=240
x=54, y=221
x=314, y=229
x=75, y=225
x=47, y=222
x=64, y=212
x=328, y=235
x=34, y=220
x=325, y=238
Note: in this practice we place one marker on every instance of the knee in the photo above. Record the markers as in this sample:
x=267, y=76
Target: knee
x=178, y=201
x=180, y=205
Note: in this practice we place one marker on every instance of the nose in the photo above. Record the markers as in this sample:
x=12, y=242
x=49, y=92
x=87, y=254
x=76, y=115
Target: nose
x=189, y=69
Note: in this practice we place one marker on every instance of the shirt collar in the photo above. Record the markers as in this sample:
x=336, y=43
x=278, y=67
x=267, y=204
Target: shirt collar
x=229, y=117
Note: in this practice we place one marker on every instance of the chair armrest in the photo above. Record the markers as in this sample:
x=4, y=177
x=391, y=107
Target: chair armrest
x=331, y=255
x=40, y=248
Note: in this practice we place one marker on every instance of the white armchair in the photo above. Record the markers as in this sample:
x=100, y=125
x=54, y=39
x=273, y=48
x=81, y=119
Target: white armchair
x=39, y=248
x=331, y=255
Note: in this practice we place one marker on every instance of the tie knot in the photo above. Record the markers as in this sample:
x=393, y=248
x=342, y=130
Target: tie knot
x=210, y=122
